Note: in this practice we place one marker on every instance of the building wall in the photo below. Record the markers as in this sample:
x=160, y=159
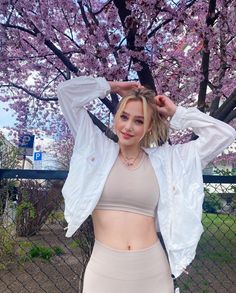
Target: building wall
x=9, y=158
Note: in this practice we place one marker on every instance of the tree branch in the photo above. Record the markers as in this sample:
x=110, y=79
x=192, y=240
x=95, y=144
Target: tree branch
x=115, y=99
x=104, y=6
x=11, y=12
x=225, y=109
x=223, y=67
x=23, y=29
x=49, y=44
x=103, y=127
x=152, y=33
x=72, y=40
x=130, y=26
x=84, y=17
x=205, y=58
x=231, y=116
x=28, y=92
x=61, y=56
x=68, y=24
x=45, y=57
x=108, y=103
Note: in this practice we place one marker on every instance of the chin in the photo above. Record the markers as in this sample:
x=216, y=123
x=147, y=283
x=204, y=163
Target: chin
x=127, y=143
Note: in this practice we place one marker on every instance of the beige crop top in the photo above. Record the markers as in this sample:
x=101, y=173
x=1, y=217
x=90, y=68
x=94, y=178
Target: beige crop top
x=135, y=190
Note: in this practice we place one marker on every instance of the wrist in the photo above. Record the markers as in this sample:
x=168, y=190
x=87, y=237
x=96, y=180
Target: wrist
x=114, y=86
x=173, y=110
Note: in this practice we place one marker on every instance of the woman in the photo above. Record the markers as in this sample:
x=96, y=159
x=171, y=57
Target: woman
x=132, y=189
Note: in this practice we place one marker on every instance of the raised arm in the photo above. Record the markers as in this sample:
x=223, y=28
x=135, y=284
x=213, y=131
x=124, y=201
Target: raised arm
x=213, y=135
x=75, y=93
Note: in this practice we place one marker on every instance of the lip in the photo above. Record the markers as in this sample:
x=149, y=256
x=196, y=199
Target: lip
x=126, y=135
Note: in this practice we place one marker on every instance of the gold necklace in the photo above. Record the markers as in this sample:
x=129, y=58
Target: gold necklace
x=126, y=160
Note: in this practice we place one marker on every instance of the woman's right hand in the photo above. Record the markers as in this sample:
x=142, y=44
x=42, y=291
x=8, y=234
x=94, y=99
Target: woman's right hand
x=122, y=88
x=165, y=106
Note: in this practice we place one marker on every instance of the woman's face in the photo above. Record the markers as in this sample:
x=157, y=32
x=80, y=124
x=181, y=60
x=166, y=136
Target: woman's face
x=130, y=125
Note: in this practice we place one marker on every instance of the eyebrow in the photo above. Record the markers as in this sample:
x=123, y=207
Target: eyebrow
x=123, y=112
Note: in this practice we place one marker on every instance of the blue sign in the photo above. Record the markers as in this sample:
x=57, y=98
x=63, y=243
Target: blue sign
x=38, y=156
x=26, y=141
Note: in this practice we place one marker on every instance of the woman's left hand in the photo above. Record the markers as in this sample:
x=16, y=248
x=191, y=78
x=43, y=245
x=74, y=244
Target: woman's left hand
x=122, y=88
x=165, y=106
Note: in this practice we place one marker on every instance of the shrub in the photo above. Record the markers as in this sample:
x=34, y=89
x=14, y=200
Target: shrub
x=36, y=202
x=44, y=252
x=7, y=247
x=212, y=203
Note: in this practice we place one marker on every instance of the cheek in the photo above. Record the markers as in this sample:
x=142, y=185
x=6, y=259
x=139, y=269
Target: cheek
x=140, y=130
x=118, y=125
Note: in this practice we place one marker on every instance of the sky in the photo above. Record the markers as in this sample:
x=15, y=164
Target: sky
x=6, y=118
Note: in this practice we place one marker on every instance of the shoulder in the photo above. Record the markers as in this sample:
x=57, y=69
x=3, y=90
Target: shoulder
x=175, y=154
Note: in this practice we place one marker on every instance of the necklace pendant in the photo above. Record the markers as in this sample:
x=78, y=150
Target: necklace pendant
x=127, y=161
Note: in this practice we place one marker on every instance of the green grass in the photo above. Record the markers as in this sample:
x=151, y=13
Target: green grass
x=216, y=250
x=75, y=243
x=219, y=238
x=56, y=217
x=44, y=252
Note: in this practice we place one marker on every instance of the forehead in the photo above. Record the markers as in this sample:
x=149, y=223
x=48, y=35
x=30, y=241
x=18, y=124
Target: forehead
x=134, y=108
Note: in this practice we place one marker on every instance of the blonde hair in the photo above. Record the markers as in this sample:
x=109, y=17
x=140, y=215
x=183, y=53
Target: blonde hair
x=159, y=130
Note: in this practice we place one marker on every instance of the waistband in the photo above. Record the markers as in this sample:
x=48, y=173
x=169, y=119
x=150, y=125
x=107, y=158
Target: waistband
x=134, y=251
x=128, y=264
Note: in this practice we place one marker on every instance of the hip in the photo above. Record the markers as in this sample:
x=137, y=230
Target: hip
x=129, y=264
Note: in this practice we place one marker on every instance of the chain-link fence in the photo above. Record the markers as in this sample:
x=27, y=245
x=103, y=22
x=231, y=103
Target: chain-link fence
x=35, y=255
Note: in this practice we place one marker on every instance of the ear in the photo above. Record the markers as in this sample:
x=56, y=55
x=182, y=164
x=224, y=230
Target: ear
x=150, y=126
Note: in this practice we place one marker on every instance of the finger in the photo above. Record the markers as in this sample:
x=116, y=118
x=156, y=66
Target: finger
x=140, y=86
x=162, y=112
x=160, y=101
x=133, y=84
x=161, y=109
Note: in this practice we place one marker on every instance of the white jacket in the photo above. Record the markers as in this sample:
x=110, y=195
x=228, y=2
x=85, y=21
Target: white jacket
x=178, y=168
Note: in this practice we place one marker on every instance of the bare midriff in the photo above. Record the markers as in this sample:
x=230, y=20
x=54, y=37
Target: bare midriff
x=124, y=230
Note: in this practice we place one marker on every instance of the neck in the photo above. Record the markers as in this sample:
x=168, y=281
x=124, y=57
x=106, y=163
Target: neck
x=131, y=151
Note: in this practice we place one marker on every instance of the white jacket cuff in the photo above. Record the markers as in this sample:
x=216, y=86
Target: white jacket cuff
x=177, y=120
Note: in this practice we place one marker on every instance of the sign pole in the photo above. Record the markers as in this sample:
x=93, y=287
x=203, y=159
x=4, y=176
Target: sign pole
x=23, y=161
x=26, y=145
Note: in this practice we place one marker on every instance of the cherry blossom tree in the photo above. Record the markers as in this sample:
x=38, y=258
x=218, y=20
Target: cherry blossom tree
x=183, y=48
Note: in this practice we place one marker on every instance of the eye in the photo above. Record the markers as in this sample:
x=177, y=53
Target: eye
x=123, y=117
x=139, y=121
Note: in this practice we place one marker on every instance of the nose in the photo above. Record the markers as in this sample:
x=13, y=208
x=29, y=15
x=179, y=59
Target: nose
x=129, y=126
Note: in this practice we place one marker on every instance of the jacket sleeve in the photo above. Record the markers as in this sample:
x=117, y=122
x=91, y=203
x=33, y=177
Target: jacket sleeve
x=213, y=135
x=74, y=94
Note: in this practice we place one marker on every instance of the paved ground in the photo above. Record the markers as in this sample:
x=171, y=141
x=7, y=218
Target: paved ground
x=61, y=273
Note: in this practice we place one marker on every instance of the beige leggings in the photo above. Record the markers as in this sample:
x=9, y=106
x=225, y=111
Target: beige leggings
x=127, y=271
